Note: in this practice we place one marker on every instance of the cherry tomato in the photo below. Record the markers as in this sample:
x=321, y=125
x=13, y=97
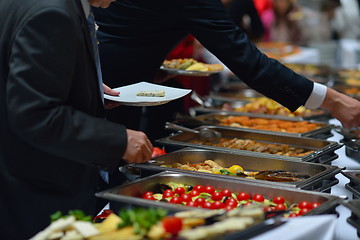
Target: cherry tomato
x=230, y=200
x=185, y=197
x=315, y=205
x=199, y=202
x=209, y=189
x=179, y=190
x=191, y=204
x=226, y=193
x=303, y=211
x=194, y=193
x=199, y=188
x=243, y=196
x=268, y=209
x=172, y=225
x=149, y=197
x=293, y=215
x=229, y=207
x=278, y=200
x=280, y=207
x=217, y=196
x=258, y=198
x=168, y=193
x=176, y=200
x=231, y=203
x=218, y=205
x=146, y=193
x=156, y=151
x=208, y=205
x=304, y=204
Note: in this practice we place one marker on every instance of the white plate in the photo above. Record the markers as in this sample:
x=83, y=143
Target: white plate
x=128, y=94
x=187, y=72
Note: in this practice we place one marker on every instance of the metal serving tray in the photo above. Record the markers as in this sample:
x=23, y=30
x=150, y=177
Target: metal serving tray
x=129, y=194
x=354, y=219
x=322, y=177
x=323, y=132
x=354, y=184
x=324, y=151
x=320, y=115
x=352, y=142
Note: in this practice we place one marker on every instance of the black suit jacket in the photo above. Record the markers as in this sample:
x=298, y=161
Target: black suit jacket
x=136, y=35
x=53, y=136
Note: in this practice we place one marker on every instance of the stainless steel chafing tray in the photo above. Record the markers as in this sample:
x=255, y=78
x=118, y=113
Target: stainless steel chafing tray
x=129, y=194
x=322, y=177
x=354, y=219
x=323, y=132
x=354, y=184
x=323, y=150
x=351, y=141
x=320, y=115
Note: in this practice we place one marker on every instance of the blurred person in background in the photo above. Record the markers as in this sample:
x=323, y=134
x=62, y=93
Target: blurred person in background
x=245, y=15
x=282, y=22
x=347, y=19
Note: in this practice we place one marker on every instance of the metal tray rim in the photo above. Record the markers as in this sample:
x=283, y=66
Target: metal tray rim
x=328, y=172
x=323, y=129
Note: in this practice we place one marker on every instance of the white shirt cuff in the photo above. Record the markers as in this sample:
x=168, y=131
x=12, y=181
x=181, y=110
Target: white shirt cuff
x=316, y=97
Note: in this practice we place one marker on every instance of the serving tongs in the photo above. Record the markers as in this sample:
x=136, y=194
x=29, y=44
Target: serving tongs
x=191, y=122
x=205, y=134
x=207, y=103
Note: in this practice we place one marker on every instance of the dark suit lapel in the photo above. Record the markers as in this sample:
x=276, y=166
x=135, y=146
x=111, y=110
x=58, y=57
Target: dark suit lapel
x=85, y=30
x=86, y=34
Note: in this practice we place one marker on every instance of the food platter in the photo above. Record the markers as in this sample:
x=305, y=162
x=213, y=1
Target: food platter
x=190, y=67
x=270, y=124
x=129, y=194
x=128, y=94
x=320, y=177
x=313, y=150
x=188, y=72
x=261, y=107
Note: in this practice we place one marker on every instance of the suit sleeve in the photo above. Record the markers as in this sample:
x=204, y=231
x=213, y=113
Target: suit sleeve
x=42, y=65
x=213, y=28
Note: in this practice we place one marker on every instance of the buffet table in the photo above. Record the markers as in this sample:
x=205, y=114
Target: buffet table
x=336, y=228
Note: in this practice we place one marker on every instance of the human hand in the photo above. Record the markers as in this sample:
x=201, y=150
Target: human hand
x=343, y=108
x=108, y=104
x=139, y=147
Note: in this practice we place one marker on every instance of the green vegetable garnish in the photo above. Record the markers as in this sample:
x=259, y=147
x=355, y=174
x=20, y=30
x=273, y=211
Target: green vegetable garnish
x=141, y=219
x=78, y=214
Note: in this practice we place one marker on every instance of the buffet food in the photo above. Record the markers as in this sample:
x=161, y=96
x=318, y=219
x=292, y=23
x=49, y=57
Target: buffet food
x=266, y=105
x=159, y=93
x=190, y=64
x=308, y=69
x=151, y=223
x=349, y=76
x=278, y=50
x=206, y=196
x=210, y=166
x=269, y=124
x=255, y=146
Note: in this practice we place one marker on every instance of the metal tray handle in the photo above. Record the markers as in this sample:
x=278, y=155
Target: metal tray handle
x=327, y=186
x=327, y=159
x=353, y=190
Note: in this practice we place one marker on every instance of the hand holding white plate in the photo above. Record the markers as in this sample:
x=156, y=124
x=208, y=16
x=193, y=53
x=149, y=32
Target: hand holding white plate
x=128, y=94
